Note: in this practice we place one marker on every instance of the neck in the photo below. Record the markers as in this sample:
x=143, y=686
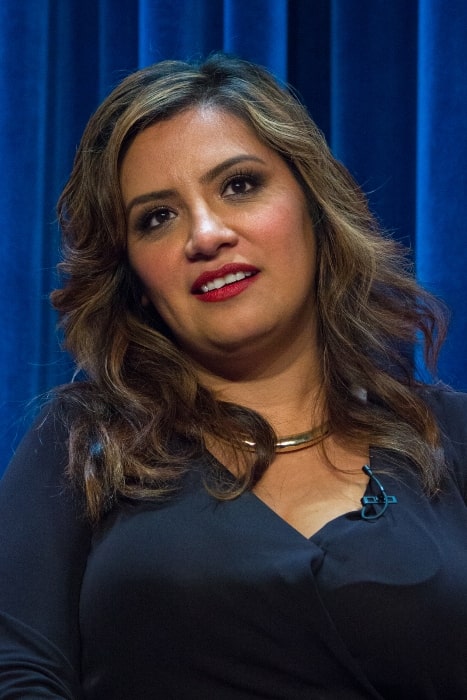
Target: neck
x=288, y=396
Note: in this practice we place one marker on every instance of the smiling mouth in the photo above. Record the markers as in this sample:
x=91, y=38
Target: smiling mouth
x=220, y=282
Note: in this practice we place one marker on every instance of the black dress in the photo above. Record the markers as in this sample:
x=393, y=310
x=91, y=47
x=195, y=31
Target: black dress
x=199, y=599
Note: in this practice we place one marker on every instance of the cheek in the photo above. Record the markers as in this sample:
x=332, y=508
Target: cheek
x=289, y=230
x=152, y=273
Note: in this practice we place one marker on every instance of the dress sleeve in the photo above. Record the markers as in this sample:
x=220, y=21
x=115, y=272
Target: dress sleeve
x=45, y=540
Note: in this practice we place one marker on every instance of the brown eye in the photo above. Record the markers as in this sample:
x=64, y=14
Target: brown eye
x=154, y=218
x=240, y=184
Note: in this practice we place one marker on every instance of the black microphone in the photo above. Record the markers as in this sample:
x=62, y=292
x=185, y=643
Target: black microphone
x=370, y=511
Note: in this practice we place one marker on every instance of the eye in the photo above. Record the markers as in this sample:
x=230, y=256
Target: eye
x=240, y=184
x=154, y=218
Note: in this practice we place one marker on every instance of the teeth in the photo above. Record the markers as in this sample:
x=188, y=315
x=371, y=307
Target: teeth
x=222, y=281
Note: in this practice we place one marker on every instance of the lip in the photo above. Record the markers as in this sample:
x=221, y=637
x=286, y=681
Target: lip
x=211, y=275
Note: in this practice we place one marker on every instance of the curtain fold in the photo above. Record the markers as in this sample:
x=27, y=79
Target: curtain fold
x=441, y=183
x=257, y=30
x=374, y=104
x=384, y=81
x=178, y=29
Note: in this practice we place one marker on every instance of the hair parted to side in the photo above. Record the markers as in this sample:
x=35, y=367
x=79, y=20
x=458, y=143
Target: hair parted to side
x=141, y=413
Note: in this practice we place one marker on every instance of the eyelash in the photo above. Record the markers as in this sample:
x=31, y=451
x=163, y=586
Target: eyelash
x=143, y=222
x=254, y=179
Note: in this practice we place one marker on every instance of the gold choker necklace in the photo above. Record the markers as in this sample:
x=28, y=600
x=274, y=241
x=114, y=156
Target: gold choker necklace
x=300, y=441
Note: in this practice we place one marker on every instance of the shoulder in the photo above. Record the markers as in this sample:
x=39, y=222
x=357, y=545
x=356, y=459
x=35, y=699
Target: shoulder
x=47, y=434
x=40, y=461
x=450, y=410
x=36, y=493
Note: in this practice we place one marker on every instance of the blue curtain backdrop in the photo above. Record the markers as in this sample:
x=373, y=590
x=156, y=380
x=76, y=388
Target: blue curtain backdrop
x=385, y=80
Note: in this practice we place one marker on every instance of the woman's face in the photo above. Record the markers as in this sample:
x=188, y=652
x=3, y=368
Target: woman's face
x=220, y=236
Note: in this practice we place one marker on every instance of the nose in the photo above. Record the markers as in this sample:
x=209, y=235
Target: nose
x=208, y=233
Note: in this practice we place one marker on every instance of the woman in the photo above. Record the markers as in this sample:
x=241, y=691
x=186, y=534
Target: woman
x=250, y=494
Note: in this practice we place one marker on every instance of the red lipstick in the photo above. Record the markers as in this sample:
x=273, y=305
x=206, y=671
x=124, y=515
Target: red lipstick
x=224, y=282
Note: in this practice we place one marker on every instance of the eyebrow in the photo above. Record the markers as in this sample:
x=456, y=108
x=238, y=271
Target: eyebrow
x=205, y=179
x=225, y=165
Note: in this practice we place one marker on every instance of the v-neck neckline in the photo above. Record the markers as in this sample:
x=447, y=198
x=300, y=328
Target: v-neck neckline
x=317, y=534
x=285, y=524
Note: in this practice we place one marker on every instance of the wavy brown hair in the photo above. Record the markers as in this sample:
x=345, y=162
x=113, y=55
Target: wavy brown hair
x=140, y=414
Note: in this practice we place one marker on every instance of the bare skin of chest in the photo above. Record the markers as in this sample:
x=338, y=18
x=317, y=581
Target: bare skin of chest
x=307, y=492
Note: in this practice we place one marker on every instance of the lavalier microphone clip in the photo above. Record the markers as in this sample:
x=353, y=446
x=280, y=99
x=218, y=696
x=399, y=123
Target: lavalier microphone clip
x=375, y=506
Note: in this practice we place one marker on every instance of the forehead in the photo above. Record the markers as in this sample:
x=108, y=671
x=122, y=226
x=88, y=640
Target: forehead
x=194, y=138
x=203, y=118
